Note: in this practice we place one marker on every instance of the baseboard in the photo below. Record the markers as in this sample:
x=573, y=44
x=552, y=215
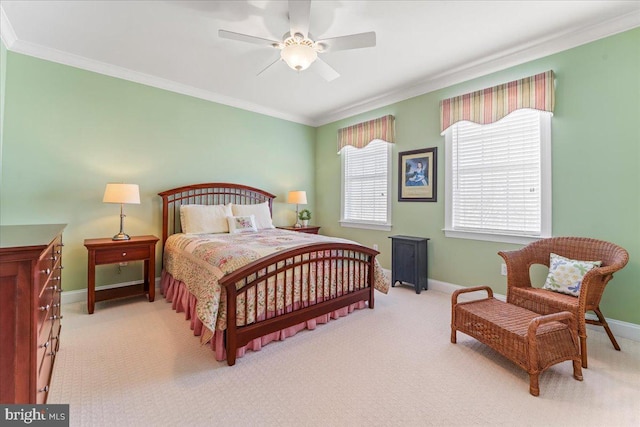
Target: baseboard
x=69, y=297
x=618, y=327
x=449, y=288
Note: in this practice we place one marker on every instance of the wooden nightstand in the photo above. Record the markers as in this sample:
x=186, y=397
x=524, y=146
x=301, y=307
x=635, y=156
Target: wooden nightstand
x=108, y=251
x=311, y=229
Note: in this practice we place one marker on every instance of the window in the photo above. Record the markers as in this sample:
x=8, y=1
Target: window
x=498, y=178
x=366, y=186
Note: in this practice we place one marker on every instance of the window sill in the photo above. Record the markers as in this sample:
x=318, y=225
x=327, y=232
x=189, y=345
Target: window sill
x=364, y=225
x=492, y=237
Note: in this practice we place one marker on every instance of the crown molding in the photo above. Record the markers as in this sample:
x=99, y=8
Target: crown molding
x=13, y=44
x=65, y=58
x=7, y=34
x=555, y=43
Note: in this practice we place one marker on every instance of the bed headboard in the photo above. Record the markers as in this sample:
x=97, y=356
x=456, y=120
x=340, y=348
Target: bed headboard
x=217, y=193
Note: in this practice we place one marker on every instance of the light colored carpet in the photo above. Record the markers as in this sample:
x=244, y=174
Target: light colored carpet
x=137, y=363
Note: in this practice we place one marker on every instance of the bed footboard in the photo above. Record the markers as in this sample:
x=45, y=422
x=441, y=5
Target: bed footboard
x=293, y=286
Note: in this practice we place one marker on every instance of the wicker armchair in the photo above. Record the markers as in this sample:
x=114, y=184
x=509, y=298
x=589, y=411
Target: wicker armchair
x=542, y=301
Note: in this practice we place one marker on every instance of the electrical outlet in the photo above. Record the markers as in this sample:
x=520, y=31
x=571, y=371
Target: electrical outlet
x=503, y=269
x=375, y=246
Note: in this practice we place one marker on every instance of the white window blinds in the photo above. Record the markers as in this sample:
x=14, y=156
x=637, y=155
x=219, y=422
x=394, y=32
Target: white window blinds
x=497, y=175
x=366, y=184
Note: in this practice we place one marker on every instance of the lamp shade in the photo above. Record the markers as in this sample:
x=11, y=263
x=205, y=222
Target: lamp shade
x=297, y=197
x=122, y=193
x=298, y=56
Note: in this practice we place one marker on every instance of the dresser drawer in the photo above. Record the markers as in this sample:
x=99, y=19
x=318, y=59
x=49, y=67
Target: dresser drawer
x=45, y=265
x=51, y=254
x=50, y=270
x=45, y=268
x=130, y=253
x=55, y=325
x=44, y=346
x=52, y=286
x=44, y=375
x=55, y=336
x=44, y=310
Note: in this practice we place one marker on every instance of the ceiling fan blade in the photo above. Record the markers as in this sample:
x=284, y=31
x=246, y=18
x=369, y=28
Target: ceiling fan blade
x=278, y=59
x=354, y=41
x=299, y=11
x=247, y=38
x=325, y=70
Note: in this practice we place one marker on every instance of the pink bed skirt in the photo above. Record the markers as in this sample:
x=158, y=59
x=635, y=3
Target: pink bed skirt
x=182, y=300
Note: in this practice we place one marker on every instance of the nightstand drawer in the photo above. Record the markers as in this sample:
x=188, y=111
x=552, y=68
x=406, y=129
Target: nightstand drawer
x=309, y=229
x=129, y=253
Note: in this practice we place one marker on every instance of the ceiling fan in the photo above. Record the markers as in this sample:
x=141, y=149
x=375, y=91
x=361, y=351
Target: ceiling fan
x=298, y=49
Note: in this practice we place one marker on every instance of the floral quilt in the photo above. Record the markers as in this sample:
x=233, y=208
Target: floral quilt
x=199, y=261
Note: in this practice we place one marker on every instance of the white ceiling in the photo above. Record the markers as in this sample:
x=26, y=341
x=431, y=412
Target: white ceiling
x=421, y=45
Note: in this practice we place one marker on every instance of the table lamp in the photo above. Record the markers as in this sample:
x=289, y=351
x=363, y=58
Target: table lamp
x=122, y=193
x=299, y=198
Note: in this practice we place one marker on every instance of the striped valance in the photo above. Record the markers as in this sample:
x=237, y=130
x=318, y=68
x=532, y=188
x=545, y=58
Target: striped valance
x=491, y=104
x=363, y=133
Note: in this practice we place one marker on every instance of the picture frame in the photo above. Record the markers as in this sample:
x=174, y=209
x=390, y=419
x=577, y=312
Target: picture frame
x=417, y=175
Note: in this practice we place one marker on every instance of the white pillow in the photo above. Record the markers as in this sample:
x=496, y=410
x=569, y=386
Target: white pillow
x=242, y=224
x=565, y=275
x=203, y=219
x=260, y=211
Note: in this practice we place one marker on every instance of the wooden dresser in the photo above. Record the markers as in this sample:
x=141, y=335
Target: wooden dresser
x=30, y=286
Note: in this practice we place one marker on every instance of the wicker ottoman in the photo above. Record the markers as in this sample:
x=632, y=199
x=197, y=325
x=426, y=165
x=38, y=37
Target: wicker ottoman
x=531, y=341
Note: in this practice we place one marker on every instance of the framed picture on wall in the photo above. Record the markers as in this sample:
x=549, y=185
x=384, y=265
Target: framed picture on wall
x=417, y=173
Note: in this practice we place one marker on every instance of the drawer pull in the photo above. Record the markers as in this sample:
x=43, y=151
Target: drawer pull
x=51, y=353
x=60, y=289
x=55, y=316
x=56, y=278
x=56, y=305
x=45, y=345
x=54, y=258
x=60, y=267
x=52, y=288
x=44, y=389
x=124, y=254
x=58, y=252
x=47, y=271
x=44, y=307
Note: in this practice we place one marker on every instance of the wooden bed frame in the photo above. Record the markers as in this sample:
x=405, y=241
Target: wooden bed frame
x=356, y=261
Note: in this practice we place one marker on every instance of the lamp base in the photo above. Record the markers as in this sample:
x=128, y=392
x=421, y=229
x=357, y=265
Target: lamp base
x=297, y=225
x=121, y=236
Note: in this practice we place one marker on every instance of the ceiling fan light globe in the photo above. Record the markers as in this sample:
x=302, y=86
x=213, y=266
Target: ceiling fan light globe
x=298, y=56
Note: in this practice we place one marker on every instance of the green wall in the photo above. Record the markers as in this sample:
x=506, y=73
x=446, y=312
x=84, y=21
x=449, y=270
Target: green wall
x=68, y=132
x=3, y=79
x=596, y=177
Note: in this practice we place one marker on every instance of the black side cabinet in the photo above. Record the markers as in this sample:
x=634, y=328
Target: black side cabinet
x=409, y=261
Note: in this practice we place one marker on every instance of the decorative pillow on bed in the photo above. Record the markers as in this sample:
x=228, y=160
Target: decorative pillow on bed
x=260, y=211
x=565, y=275
x=242, y=224
x=203, y=219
